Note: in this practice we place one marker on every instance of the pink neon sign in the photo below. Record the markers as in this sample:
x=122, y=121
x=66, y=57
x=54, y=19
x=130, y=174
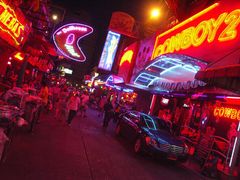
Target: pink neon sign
x=67, y=37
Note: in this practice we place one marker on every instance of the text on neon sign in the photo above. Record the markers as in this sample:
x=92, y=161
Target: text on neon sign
x=204, y=31
x=9, y=22
x=67, y=38
x=226, y=112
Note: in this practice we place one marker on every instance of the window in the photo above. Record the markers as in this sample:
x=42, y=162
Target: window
x=154, y=123
x=150, y=123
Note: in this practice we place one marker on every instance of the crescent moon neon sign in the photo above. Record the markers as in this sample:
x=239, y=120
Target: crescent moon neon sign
x=67, y=37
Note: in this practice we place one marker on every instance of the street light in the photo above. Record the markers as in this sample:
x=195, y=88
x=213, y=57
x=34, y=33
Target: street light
x=55, y=17
x=155, y=13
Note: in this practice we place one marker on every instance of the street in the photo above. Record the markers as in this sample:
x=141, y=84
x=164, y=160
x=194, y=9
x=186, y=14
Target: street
x=55, y=151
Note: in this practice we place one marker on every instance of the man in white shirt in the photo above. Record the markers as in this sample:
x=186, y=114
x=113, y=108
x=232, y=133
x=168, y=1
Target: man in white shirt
x=73, y=106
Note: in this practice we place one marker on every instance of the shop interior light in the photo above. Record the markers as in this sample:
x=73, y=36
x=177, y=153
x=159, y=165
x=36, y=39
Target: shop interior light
x=165, y=101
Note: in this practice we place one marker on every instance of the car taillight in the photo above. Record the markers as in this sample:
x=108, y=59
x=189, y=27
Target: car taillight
x=151, y=141
x=148, y=140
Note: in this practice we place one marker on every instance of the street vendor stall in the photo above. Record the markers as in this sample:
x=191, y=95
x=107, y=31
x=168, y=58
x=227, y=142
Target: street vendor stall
x=9, y=118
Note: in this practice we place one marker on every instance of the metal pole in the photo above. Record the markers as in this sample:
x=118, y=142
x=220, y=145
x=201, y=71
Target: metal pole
x=235, y=151
x=22, y=72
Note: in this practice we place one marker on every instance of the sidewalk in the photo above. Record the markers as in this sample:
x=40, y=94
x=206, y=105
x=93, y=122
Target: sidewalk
x=194, y=166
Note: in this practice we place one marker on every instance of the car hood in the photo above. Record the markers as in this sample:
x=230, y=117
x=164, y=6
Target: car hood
x=165, y=137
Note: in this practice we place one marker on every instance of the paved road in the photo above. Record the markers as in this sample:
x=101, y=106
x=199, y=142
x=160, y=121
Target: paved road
x=55, y=151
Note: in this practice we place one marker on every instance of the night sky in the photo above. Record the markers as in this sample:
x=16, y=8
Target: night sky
x=98, y=14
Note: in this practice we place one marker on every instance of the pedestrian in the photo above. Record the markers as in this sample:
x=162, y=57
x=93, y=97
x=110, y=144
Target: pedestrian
x=55, y=95
x=84, y=103
x=61, y=106
x=44, y=93
x=108, y=113
x=102, y=102
x=73, y=106
x=117, y=112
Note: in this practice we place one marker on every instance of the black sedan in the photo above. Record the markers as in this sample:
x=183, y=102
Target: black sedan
x=152, y=135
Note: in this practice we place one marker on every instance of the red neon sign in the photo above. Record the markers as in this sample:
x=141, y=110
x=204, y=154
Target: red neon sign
x=19, y=56
x=127, y=61
x=12, y=25
x=127, y=57
x=226, y=112
x=67, y=38
x=207, y=35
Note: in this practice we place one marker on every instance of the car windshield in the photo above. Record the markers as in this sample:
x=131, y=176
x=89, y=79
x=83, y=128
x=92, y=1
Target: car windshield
x=154, y=123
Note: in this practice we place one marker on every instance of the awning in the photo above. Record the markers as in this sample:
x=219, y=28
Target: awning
x=110, y=79
x=232, y=71
x=227, y=77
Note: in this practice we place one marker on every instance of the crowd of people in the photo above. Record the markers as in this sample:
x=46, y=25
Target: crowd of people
x=66, y=102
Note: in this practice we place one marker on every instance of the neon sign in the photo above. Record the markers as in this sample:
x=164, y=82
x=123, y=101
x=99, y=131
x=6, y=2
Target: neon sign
x=127, y=57
x=19, y=56
x=168, y=70
x=226, y=112
x=109, y=51
x=11, y=26
x=216, y=24
x=67, y=38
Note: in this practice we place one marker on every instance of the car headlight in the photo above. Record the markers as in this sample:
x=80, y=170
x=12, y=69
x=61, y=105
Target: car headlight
x=186, y=149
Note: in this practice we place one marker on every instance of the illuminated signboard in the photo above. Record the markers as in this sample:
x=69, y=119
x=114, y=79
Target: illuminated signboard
x=127, y=57
x=127, y=61
x=209, y=35
x=109, y=51
x=67, y=38
x=226, y=112
x=13, y=27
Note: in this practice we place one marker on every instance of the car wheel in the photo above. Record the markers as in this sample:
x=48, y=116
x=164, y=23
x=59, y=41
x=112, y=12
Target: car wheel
x=138, y=146
x=118, y=130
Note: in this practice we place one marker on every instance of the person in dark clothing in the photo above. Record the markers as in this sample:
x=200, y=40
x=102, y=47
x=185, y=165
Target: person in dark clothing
x=108, y=110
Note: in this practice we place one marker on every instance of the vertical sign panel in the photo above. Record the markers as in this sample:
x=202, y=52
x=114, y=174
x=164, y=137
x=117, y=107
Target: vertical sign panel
x=109, y=51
